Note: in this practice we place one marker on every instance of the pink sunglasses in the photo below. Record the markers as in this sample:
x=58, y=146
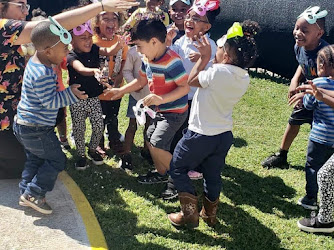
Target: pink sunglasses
x=79, y=30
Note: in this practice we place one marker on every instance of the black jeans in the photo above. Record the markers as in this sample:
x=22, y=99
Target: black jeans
x=110, y=109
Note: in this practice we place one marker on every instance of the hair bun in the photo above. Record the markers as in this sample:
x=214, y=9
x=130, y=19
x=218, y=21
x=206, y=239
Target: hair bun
x=38, y=12
x=250, y=28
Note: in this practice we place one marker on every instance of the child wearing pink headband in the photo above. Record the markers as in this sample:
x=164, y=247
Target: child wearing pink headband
x=83, y=66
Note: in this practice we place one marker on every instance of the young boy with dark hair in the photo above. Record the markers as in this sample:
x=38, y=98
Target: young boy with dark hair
x=37, y=112
x=166, y=77
x=309, y=29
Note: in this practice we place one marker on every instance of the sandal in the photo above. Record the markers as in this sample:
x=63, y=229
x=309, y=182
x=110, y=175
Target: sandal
x=152, y=178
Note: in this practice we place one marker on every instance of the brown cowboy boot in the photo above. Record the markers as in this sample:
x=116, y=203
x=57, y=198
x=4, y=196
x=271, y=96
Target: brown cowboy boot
x=189, y=212
x=209, y=211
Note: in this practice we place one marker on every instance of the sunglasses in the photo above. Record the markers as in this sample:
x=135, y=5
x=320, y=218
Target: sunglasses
x=194, y=19
x=24, y=7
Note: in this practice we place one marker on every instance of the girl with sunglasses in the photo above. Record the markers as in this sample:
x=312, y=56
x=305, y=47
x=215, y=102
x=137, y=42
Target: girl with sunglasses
x=83, y=67
x=15, y=31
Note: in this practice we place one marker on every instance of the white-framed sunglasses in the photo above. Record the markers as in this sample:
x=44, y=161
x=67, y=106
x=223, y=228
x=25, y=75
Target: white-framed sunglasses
x=24, y=6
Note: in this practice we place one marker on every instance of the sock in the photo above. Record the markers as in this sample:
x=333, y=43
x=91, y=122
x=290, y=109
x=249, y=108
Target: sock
x=283, y=152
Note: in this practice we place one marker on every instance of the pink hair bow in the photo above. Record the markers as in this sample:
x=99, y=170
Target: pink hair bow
x=79, y=30
x=202, y=6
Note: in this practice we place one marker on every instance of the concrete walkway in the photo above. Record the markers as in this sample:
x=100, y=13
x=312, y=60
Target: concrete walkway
x=72, y=225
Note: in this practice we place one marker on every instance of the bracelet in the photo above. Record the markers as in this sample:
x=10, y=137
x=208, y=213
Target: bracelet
x=102, y=5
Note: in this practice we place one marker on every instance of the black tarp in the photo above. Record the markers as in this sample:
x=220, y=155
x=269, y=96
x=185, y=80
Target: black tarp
x=276, y=17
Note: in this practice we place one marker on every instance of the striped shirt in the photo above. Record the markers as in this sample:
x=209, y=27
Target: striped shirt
x=323, y=117
x=39, y=100
x=163, y=76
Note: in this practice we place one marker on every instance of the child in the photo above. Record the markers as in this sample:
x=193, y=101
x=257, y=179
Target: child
x=324, y=221
x=106, y=25
x=152, y=10
x=308, y=31
x=37, y=112
x=209, y=137
x=165, y=75
x=321, y=141
x=177, y=11
x=83, y=64
x=130, y=72
x=194, y=23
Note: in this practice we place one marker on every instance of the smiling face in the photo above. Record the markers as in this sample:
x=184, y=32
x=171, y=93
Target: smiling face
x=148, y=49
x=194, y=24
x=82, y=43
x=177, y=13
x=108, y=24
x=15, y=11
x=307, y=35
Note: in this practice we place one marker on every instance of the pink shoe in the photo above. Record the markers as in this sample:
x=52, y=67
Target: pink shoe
x=194, y=175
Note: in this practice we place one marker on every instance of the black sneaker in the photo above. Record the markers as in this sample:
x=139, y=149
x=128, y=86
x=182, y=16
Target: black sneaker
x=125, y=162
x=169, y=194
x=39, y=205
x=81, y=164
x=276, y=161
x=308, y=203
x=95, y=157
x=313, y=225
x=152, y=178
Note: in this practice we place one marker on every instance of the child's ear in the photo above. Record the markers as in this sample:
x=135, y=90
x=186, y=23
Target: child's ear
x=207, y=27
x=321, y=33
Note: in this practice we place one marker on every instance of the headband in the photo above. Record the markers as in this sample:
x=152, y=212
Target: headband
x=64, y=36
x=79, y=30
x=187, y=2
x=311, y=15
x=234, y=31
x=202, y=6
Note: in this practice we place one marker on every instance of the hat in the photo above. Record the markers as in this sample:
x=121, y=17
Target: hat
x=187, y=2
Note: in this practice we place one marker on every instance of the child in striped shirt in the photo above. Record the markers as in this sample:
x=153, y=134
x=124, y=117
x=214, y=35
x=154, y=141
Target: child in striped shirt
x=37, y=112
x=166, y=77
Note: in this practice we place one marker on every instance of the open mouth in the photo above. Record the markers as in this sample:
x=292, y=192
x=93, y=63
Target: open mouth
x=189, y=28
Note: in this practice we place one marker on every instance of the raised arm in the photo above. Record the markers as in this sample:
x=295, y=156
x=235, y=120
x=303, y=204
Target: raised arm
x=73, y=18
x=204, y=48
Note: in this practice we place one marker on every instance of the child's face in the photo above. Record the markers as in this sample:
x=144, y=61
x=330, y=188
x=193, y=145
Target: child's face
x=108, y=24
x=152, y=4
x=222, y=55
x=307, y=35
x=82, y=43
x=57, y=53
x=322, y=69
x=178, y=11
x=148, y=49
x=194, y=24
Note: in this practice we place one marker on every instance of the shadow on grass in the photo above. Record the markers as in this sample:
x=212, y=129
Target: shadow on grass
x=238, y=230
x=239, y=142
x=267, y=194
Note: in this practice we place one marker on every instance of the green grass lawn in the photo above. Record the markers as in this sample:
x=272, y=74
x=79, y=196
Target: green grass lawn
x=257, y=209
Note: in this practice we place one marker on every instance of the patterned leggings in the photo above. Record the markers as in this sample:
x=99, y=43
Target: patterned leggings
x=91, y=108
x=326, y=190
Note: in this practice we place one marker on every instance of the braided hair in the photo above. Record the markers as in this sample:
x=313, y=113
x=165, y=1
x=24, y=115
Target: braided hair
x=244, y=49
x=326, y=56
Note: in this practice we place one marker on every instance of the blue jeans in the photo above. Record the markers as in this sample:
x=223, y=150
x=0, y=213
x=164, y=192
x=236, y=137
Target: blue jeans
x=205, y=153
x=317, y=155
x=45, y=158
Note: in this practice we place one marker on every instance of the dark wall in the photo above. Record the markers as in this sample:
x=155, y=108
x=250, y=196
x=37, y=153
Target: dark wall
x=276, y=17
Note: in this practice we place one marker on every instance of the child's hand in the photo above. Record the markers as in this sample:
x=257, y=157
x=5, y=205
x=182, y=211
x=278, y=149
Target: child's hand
x=78, y=93
x=152, y=99
x=97, y=74
x=203, y=45
x=194, y=56
x=311, y=89
x=112, y=94
x=296, y=99
x=171, y=34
